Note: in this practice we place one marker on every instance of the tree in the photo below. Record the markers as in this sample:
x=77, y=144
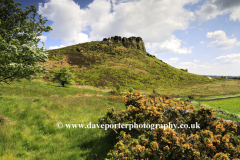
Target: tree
x=185, y=70
x=118, y=87
x=64, y=76
x=19, y=52
x=131, y=90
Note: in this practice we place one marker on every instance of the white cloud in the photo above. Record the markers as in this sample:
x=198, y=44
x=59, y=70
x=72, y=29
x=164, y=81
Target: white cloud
x=202, y=42
x=169, y=46
x=222, y=65
x=56, y=47
x=222, y=41
x=172, y=60
x=196, y=60
x=152, y=20
x=232, y=58
x=235, y=14
x=42, y=38
x=213, y=8
x=68, y=19
x=237, y=43
x=216, y=35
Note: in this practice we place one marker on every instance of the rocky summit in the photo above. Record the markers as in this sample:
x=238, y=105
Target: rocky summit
x=131, y=42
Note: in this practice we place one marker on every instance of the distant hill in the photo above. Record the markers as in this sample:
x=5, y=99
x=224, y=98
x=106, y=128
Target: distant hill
x=119, y=60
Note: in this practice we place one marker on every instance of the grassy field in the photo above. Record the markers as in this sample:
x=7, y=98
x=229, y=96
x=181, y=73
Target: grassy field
x=227, y=105
x=30, y=111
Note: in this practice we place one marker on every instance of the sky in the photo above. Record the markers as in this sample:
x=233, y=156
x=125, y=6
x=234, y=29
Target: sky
x=199, y=35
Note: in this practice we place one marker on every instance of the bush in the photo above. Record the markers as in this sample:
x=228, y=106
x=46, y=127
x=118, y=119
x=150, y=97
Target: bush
x=118, y=87
x=64, y=76
x=115, y=93
x=213, y=140
x=190, y=97
x=131, y=90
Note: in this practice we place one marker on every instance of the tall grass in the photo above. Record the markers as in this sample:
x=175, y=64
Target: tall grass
x=31, y=112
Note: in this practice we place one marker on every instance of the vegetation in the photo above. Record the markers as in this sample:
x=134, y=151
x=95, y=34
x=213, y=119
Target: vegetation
x=131, y=90
x=101, y=65
x=30, y=112
x=213, y=139
x=118, y=87
x=19, y=52
x=64, y=76
x=185, y=70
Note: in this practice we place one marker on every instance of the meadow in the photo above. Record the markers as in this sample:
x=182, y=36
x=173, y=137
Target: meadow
x=30, y=111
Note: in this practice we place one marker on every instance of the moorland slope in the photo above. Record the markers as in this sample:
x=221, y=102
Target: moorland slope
x=119, y=60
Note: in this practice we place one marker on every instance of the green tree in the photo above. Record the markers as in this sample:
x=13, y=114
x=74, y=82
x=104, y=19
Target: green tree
x=185, y=70
x=19, y=52
x=64, y=76
x=131, y=90
x=118, y=87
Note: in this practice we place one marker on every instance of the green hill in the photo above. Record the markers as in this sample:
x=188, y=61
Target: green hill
x=111, y=61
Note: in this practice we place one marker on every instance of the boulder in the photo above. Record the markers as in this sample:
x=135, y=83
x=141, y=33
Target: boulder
x=80, y=49
x=124, y=39
x=132, y=39
x=117, y=39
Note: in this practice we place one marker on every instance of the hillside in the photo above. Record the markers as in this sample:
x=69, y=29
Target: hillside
x=119, y=60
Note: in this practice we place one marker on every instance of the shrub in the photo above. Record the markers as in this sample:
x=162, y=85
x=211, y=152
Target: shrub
x=154, y=91
x=213, y=140
x=185, y=70
x=118, y=87
x=64, y=76
x=115, y=93
x=131, y=90
x=190, y=97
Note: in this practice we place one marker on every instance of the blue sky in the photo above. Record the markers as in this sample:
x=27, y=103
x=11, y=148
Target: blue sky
x=200, y=35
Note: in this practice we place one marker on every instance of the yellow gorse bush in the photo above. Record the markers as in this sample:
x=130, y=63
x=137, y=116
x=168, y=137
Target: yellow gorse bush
x=214, y=139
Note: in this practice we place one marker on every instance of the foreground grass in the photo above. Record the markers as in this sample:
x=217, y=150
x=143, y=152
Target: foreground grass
x=30, y=111
x=29, y=130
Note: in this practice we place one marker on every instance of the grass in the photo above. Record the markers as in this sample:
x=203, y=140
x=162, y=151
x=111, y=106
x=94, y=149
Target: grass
x=31, y=110
x=227, y=105
x=30, y=131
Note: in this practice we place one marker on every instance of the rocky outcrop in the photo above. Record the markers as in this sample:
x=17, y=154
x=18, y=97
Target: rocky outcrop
x=131, y=42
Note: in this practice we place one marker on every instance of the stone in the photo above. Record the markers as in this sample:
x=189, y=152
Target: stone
x=80, y=49
x=132, y=39
x=124, y=39
x=131, y=42
x=117, y=39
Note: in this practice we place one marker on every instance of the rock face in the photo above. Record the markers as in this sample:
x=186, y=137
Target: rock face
x=131, y=42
